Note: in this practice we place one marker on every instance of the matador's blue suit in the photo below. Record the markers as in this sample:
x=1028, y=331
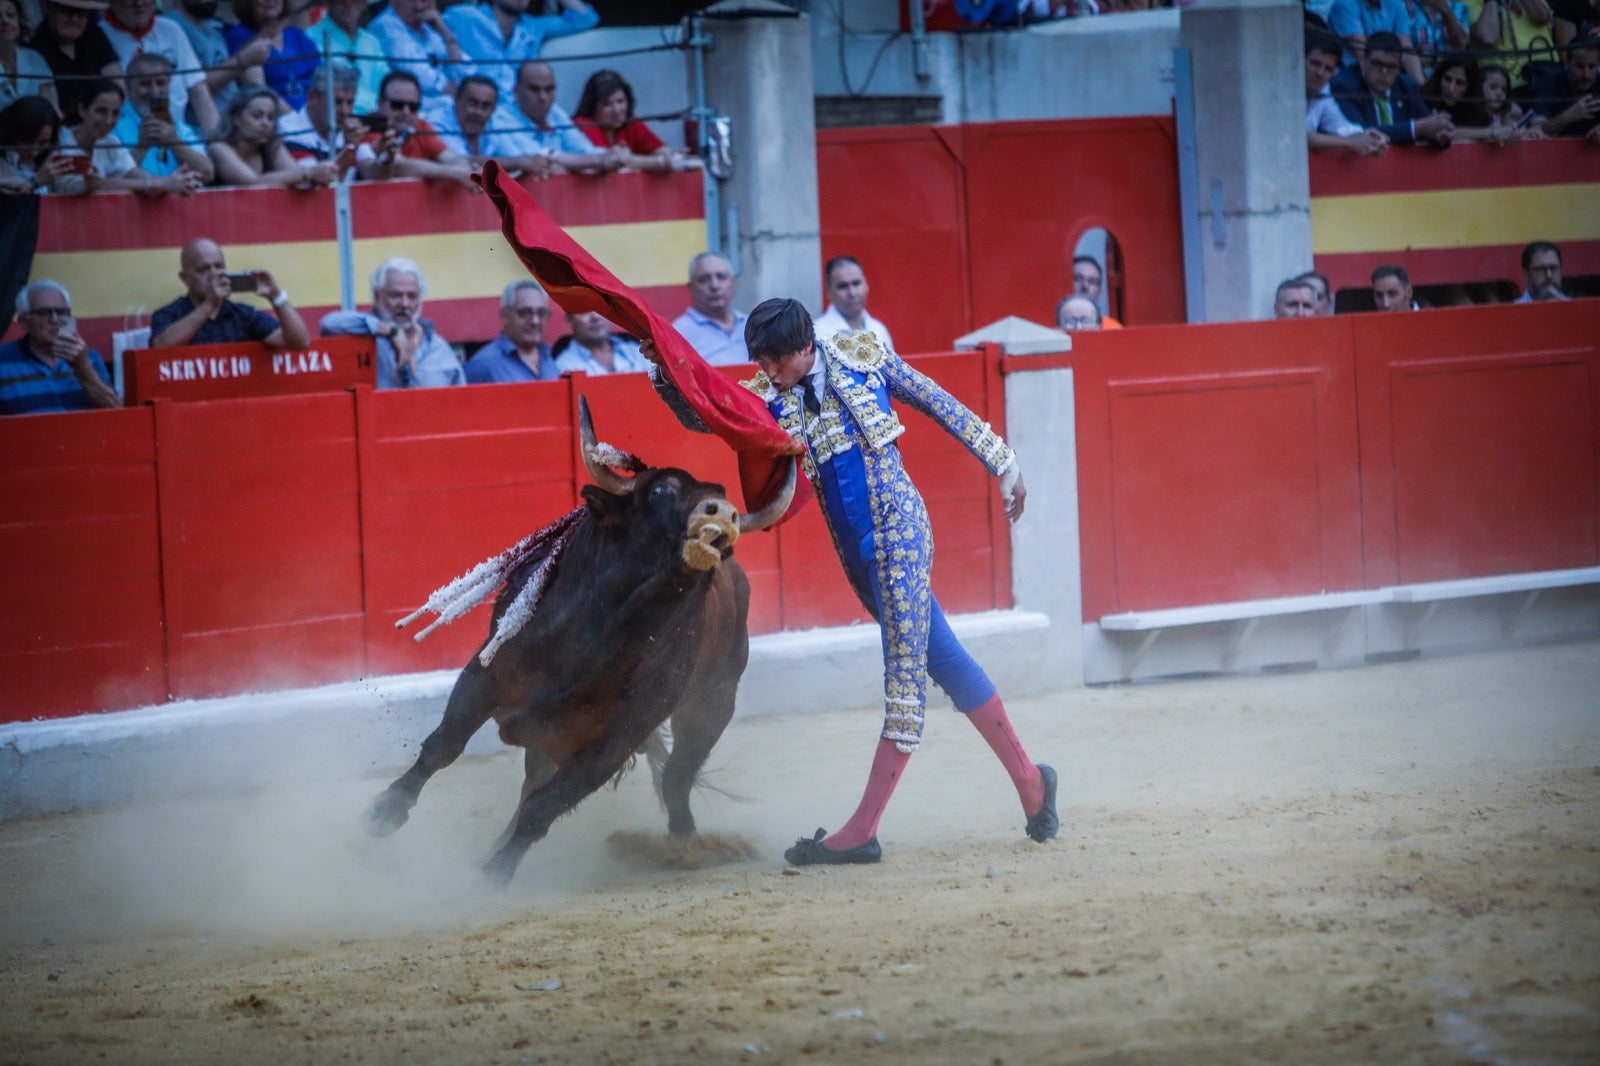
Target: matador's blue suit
x=876, y=516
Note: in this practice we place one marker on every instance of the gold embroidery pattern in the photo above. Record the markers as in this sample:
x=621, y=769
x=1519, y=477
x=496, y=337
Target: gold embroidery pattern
x=861, y=377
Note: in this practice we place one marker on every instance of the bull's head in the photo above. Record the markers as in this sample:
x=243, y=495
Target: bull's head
x=713, y=524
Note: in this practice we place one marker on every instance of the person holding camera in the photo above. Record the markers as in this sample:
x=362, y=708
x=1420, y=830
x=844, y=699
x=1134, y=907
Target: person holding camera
x=205, y=315
x=50, y=368
x=162, y=144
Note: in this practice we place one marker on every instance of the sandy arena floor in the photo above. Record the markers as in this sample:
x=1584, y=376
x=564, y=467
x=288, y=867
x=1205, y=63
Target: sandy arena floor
x=1399, y=864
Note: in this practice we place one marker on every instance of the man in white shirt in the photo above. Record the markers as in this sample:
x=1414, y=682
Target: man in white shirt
x=847, y=309
x=132, y=27
x=417, y=40
x=1326, y=126
x=317, y=146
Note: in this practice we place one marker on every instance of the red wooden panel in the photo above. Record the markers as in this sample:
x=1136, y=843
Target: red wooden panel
x=260, y=521
x=1216, y=463
x=1123, y=177
x=82, y=628
x=895, y=199
x=1480, y=440
x=308, y=651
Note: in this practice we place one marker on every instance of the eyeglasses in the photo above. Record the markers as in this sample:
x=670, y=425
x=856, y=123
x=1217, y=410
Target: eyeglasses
x=50, y=312
x=403, y=105
x=1077, y=322
x=1383, y=65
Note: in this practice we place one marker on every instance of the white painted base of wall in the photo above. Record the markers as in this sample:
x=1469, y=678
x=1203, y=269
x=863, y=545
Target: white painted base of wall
x=374, y=727
x=1343, y=637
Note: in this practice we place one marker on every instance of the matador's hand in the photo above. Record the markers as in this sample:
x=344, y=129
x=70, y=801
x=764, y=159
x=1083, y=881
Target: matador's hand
x=1013, y=491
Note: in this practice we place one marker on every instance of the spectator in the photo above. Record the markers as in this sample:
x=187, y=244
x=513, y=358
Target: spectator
x=225, y=71
x=30, y=129
x=23, y=72
x=292, y=56
x=605, y=115
x=250, y=152
x=1438, y=28
x=1356, y=21
x=1322, y=288
x=1509, y=27
x=1567, y=99
x=417, y=41
x=1391, y=289
x=162, y=144
x=546, y=139
x=711, y=323
x=1089, y=279
x=110, y=167
x=50, y=368
x=1541, y=271
x=75, y=48
x=326, y=152
x=1327, y=128
x=1505, y=113
x=410, y=148
x=519, y=353
x=1573, y=19
x=341, y=34
x=410, y=354
x=847, y=289
x=1455, y=88
x=132, y=26
x=500, y=34
x=466, y=130
x=1077, y=313
x=591, y=347
x=1296, y=298
x=205, y=315
x=1378, y=96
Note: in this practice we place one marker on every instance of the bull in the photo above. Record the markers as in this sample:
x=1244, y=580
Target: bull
x=640, y=622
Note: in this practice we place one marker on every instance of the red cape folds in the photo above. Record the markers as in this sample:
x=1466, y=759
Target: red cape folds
x=578, y=282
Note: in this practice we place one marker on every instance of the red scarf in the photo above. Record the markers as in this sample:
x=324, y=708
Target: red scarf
x=137, y=35
x=578, y=283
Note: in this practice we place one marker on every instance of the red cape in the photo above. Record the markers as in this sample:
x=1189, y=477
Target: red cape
x=578, y=282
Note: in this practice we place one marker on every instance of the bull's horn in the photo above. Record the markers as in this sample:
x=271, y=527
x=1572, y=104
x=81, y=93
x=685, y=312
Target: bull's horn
x=755, y=523
x=597, y=457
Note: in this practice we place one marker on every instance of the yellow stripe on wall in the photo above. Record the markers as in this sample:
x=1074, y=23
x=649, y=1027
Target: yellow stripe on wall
x=1454, y=218
x=457, y=266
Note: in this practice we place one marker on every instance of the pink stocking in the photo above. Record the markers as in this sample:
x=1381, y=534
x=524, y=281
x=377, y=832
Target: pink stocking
x=888, y=763
x=991, y=720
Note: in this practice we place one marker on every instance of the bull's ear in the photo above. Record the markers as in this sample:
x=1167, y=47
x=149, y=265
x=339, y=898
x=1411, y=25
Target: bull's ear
x=602, y=504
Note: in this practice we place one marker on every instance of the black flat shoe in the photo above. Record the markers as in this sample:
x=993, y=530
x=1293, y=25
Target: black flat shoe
x=1044, y=824
x=811, y=852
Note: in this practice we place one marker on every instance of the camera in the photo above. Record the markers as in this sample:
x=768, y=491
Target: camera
x=242, y=282
x=159, y=108
x=375, y=122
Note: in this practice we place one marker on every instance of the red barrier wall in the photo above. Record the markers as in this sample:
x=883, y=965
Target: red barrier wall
x=81, y=580
x=1251, y=460
x=957, y=226
x=243, y=545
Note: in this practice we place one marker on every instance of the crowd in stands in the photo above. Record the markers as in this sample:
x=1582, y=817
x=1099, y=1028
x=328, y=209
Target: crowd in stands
x=169, y=103
x=1400, y=72
x=1309, y=295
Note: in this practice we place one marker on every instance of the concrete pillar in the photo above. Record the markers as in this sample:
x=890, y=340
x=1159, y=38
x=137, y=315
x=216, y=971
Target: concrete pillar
x=758, y=73
x=1254, y=193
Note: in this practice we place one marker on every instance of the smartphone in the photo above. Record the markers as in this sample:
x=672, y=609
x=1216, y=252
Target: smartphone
x=159, y=108
x=79, y=163
x=242, y=282
x=375, y=122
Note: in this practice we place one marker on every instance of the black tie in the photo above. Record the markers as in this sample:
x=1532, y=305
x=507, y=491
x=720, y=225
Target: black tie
x=806, y=394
